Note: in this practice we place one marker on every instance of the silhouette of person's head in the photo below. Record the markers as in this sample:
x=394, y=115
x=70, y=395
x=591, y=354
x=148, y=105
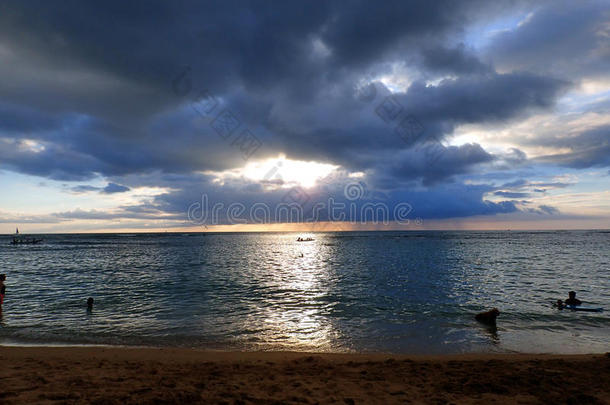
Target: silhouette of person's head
x=572, y=294
x=89, y=303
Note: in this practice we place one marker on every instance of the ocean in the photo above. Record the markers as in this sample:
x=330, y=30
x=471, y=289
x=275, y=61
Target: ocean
x=396, y=292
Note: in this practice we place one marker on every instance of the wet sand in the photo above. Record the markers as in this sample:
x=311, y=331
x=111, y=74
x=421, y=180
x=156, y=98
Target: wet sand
x=103, y=375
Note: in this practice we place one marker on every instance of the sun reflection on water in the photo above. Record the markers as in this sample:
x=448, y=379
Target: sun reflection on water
x=297, y=320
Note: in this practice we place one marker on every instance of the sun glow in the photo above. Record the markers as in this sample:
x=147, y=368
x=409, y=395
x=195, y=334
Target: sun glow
x=280, y=172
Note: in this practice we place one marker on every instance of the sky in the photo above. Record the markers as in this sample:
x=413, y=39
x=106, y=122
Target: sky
x=337, y=115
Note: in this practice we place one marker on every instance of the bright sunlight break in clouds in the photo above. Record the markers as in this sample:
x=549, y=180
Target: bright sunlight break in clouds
x=279, y=172
x=125, y=116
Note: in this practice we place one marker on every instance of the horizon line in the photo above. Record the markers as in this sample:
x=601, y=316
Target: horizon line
x=307, y=231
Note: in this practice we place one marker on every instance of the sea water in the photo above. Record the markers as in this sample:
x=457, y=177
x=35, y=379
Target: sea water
x=398, y=292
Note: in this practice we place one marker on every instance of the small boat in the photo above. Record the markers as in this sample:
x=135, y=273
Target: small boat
x=299, y=239
x=17, y=240
x=25, y=241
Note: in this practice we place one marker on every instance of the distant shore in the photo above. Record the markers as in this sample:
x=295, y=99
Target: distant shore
x=146, y=375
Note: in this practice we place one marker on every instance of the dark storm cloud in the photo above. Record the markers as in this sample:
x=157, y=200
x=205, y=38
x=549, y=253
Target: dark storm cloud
x=103, y=91
x=435, y=162
x=112, y=188
x=350, y=133
x=566, y=38
x=487, y=98
x=124, y=56
x=14, y=118
x=453, y=60
x=54, y=161
x=362, y=31
x=590, y=148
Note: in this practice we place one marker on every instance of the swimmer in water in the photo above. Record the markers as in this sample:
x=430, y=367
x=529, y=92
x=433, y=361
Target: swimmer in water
x=572, y=301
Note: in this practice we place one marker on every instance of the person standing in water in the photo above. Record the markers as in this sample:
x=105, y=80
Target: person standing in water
x=2, y=290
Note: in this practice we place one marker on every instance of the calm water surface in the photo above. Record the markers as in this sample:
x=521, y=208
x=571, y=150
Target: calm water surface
x=402, y=292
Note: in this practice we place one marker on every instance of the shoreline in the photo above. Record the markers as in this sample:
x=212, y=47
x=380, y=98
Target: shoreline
x=304, y=352
x=77, y=374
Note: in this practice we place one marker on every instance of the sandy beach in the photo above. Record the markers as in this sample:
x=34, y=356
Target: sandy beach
x=104, y=375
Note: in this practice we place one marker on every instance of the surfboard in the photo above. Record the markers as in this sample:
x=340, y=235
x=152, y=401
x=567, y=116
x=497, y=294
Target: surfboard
x=584, y=309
